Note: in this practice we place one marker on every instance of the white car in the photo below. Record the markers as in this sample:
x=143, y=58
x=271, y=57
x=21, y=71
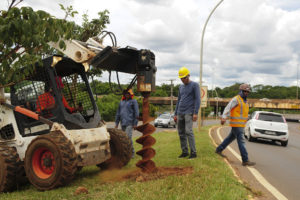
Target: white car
x=165, y=120
x=267, y=125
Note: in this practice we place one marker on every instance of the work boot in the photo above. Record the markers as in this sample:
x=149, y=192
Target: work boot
x=183, y=155
x=220, y=153
x=193, y=155
x=248, y=163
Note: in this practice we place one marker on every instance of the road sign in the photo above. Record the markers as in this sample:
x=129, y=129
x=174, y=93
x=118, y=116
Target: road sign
x=203, y=96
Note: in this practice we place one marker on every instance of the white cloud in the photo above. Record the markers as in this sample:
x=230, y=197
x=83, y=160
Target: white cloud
x=254, y=41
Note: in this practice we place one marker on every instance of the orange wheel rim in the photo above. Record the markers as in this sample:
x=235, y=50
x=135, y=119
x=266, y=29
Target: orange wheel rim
x=43, y=163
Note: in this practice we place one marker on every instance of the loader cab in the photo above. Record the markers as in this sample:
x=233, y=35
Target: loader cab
x=58, y=90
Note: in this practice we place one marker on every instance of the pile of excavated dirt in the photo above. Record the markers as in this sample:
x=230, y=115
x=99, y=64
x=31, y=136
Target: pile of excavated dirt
x=139, y=176
x=160, y=172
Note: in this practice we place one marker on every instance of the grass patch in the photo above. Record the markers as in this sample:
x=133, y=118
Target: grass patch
x=211, y=179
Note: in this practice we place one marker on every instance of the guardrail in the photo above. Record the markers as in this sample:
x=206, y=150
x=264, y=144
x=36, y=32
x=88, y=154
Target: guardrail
x=292, y=120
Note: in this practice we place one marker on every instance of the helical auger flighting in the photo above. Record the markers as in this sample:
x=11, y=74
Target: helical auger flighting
x=147, y=152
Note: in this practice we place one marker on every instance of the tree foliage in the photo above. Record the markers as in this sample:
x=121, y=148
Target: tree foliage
x=94, y=27
x=25, y=35
x=258, y=92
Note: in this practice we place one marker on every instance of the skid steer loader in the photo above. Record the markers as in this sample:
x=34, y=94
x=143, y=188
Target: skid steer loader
x=51, y=126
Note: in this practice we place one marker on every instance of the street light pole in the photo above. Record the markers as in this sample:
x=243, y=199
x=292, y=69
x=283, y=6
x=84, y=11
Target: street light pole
x=297, y=81
x=201, y=59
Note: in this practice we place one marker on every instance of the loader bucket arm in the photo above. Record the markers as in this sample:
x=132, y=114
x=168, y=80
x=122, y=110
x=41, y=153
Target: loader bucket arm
x=112, y=58
x=129, y=60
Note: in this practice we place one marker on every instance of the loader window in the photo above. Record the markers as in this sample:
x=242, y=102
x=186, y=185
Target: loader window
x=75, y=92
x=25, y=94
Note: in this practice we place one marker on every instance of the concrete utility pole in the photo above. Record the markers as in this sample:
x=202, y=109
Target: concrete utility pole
x=172, y=95
x=217, y=109
x=201, y=59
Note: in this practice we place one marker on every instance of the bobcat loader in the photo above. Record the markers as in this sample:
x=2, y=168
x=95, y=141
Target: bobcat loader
x=47, y=140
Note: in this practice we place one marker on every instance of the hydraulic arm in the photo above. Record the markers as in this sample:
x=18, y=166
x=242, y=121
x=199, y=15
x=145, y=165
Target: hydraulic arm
x=112, y=58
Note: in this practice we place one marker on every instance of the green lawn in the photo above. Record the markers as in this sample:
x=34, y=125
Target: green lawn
x=211, y=179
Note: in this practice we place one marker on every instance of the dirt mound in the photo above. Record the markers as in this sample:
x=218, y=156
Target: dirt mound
x=160, y=172
x=139, y=176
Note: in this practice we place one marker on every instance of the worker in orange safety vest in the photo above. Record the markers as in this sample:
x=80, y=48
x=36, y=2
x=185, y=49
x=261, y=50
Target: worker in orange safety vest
x=238, y=109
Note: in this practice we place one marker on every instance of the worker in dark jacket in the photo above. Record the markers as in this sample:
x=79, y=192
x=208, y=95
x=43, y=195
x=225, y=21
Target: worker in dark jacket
x=127, y=113
x=186, y=112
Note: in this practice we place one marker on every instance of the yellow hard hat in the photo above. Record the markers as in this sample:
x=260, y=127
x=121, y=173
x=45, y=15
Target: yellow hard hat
x=183, y=72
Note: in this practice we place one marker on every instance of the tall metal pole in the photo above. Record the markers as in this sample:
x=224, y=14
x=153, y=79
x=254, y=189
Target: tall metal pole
x=201, y=59
x=297, y=81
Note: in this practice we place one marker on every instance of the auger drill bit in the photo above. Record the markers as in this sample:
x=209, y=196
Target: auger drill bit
x=147, y=152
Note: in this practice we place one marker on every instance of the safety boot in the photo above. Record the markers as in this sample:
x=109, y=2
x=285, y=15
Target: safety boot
x=248, y=163
x=183, y=155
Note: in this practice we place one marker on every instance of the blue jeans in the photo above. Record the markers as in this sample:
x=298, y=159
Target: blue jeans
x=128, y=131
x=185, y=131
x=235, y=133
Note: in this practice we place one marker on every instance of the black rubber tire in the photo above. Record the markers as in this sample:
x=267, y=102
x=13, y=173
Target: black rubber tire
x=121, y=150
x=284, y=143
x=245, y=135
x=21, y=175
x=250, y=138
x=9, y=167
x=56, y=151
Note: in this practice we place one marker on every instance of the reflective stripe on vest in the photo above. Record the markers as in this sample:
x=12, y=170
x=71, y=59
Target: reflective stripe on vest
x=239, y=114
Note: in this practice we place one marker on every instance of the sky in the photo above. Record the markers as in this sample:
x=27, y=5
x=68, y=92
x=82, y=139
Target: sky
x=248, y=41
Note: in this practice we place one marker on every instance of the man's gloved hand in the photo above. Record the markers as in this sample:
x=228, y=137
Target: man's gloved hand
x=175, y=118
x=195, y=117
x=223, y=120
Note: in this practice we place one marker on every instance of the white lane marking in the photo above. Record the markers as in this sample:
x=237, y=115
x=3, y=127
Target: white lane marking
x=256, y=174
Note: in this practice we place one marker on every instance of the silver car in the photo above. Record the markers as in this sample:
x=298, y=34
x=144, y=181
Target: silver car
x=267, y=125
x=165, y=120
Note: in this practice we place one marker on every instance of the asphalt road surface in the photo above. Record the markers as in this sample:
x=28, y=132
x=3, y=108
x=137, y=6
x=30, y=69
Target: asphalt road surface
x=280, y=166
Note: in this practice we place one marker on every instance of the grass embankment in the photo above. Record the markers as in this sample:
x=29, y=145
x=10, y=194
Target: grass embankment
x=211, y=179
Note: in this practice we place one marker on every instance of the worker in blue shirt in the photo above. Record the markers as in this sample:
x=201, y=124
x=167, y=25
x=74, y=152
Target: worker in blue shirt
x=186, y=112
x=127, y=113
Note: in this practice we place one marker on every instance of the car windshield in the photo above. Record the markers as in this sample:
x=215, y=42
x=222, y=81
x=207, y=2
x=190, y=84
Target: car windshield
x=164, y=117
x=270, y=117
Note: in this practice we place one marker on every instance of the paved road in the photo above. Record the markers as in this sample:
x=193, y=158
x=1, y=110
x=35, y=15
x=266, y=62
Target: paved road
x=279, y=165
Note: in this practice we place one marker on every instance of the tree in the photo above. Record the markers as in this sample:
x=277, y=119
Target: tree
x=25, y=35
